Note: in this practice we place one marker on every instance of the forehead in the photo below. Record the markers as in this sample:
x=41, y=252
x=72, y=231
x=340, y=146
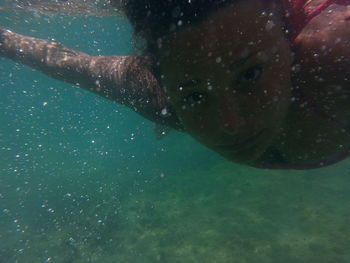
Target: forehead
x=233, y=28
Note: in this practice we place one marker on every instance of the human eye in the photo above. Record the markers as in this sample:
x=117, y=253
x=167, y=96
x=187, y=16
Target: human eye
x=250, y=75
x=195, y=98
x=190, y=84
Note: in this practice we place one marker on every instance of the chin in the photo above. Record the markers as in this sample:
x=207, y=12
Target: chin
x=249, y=153
x=246, y=158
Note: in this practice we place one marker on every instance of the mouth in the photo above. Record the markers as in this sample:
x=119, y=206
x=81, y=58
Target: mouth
x=245, y=143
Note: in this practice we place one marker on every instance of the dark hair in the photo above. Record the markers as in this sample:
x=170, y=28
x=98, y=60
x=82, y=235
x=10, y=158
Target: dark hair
x=152, y=19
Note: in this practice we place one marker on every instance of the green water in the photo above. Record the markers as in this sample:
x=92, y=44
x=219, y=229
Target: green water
x=85, y=180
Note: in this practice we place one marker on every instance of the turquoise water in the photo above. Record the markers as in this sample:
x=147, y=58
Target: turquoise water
x=85, y=180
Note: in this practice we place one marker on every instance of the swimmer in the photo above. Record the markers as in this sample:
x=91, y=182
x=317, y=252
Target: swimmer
x=262, y=82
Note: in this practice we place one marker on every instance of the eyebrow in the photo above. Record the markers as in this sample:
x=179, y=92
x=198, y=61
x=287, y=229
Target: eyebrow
x=232, y=66
x=241, y=61
x=189, y=83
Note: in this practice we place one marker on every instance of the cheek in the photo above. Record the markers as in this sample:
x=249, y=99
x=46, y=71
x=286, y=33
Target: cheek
x=277, y=83
x=277, y=79
x=195, y=122
x=276, y=97
x=270, y=102
x=199, y=122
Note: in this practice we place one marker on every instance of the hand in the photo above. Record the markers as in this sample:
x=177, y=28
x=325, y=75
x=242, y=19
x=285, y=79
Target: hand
x=1, y=37
x=1, y=32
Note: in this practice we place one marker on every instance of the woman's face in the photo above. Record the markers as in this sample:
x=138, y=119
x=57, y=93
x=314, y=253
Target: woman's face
x=228, y=78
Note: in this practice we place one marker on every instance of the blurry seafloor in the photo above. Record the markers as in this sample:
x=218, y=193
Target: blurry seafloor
x=85, y=180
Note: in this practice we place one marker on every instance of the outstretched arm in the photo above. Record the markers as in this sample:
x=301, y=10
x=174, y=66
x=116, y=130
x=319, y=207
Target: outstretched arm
x=127, y=80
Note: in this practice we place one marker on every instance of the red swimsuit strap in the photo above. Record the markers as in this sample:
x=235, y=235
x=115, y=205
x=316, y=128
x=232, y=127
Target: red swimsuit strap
x=299, y=14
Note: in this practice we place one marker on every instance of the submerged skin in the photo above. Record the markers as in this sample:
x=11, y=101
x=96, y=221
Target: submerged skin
x=259, y=113
x=317, y=128
x=229, y=79
x=127, y=80
x=237, y=85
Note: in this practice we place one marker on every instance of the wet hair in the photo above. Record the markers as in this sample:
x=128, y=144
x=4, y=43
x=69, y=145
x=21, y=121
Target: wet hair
x=152, y=19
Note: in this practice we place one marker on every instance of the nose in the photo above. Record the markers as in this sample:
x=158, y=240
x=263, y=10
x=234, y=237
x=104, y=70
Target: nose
x=230, y=120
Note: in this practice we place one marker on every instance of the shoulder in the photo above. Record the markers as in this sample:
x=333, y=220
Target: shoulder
x=330, y=29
